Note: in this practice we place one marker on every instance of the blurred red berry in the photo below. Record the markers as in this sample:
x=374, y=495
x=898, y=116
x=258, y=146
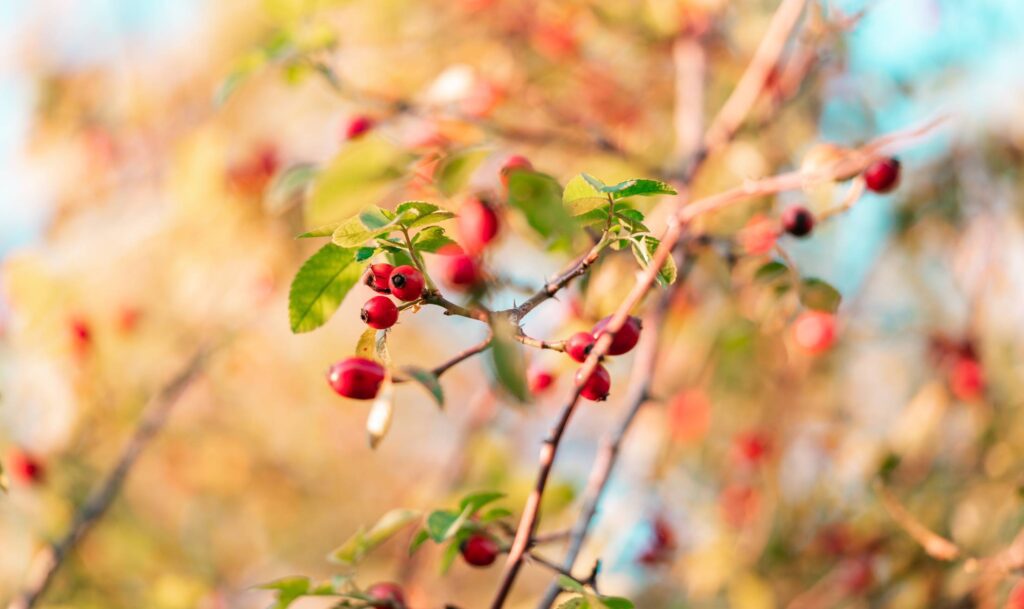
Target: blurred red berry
x=661, y=545
x=597, y=386
x=458, y=268
x=750, y=448
x=579, y=346
x=758, y=236
x=797, y=221
x=689, y=415
x=883, y=175
x=477, y=225
x=856, y=574
x=356, y=377
x=390, y=595
x=967, y=379
x=479, y=550
x=24, y=468
x=814, y=331
x=358, y=126
x=514, y=163
x=251, y=175
x=81, y=335
x=625, y=339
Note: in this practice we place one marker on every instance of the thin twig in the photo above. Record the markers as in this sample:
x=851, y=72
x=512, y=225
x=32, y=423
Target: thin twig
x=935, y=545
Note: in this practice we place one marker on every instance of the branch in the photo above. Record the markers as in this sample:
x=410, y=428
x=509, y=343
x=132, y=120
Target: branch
x=46, y=563
x=552, y=287
x=935, y=545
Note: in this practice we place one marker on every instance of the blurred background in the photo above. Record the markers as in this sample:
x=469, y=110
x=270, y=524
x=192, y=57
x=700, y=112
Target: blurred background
x=144, y=213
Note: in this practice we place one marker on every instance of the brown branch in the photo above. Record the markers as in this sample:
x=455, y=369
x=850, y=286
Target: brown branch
x=46, y=563
x=552, y=287
x=935, y=545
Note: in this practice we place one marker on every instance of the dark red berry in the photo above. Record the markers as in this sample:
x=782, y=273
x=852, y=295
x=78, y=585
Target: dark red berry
x=797, y=221
x=660, y=545
x=377, y=276
x=597, y=386
x=459, y=268
x=406, y=283
x=379, y=312
x=477, y=225
x=882, y=175
x=24, y=468
x=579, y=345
x=390, y=596
x=357, y=127
x=539, y=379
x=516, y=162
x=356, y=377
x=625, y=339
x=479, y=550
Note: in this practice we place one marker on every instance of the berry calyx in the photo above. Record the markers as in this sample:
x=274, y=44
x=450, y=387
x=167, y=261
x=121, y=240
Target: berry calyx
x=579, y=345
x=814, y=331
x=406, y=283
x=379, y=312
x=376, y=277
x=539, y=379
x=389, y=595
x=516, y=162
x=25, y=469
x=358, y=126
x=477, y=225
x=797, y=221
x=356, y=377
x=597, y=386
x=883, y=175
x=479, y=550
x=459, y=268
x=625, y=339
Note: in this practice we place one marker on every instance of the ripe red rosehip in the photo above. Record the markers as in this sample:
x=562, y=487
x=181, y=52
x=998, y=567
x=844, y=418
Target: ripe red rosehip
x=479, y=550
x=406, y=283
x=751, y=447
x=459, y=268
x=356, y=377
x=579, y=345
x=797, y=221
x=376, y=277
x=24, y=468
x=882, y=175
x=477, y=225
x=814, y=331
x=516, y=162
x=967, y=379
x=625, y=339
x=358, y=126
x=390, y=595
x=81, y=336
x=539, y=379
x=597, y=386
x=379, y=312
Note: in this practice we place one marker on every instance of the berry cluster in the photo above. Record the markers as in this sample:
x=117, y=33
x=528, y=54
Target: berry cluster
x=579, y=345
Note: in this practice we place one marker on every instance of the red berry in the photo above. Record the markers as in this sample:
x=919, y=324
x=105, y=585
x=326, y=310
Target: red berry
x=625, y=339
x=377, y=276
x=814, y=331
x=856, y=574
x=390, y=595
x=477, y=225
x=516, y=162
x=356, y=377
x=358, y=126
x=661, y=545
x=797, y=221
x=459, y=269
x=579, y=345
x=406, y=283
x=596, y=387
x=24, y=468
x=539, y=379
x=479, y=550
x=967, y=379
x=81, y=336
x=379, y=312
x=882, y=175
x=751, y=447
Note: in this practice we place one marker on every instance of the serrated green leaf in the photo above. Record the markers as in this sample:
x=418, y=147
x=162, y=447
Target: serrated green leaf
x=569, y=584
x=632, y=218
x=581, y=197
x=289, y=186
x=539, y=198
x=429, y=381
x=507, y=363
x=410, y=211
x=375, y=218
x=819, y=295
x=365, y=253
x=615, y=602
x=639, y=187
x=421, y=537
x=320, y=286
x=455, y=170
x=323, y=231
x=644, y=252
x=432, y=218
x=431, y=239
x=770, y=271
x=474, y=501
x=351, y=233
x=378, y=421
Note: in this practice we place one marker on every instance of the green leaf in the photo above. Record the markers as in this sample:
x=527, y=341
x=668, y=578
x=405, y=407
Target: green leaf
x=507, y=363
x=539, y=198
x=371, y=223
x=439, y=522
x=615, y=602
x=494, y=514
x=639, y=188
x=366, y=346
x=375, y=218
x=365, y=253
x=422, y=536
x=364, y=541
x=474, y=501
x=580, y=196
x=644, y=253
x=288, y=590
x=819, y=295
x=323, y=231
x=631, y=218
x=596, y=184
x=770, y=271
x=289, y=186
x=576, y=602
x=363, y=172
x=567, y=583
x=431, y=239
x=429, y=381
x=434, y=218
x=410, y=211
x=378, y=421
x=455, y=170
x=451, y=551
x=320, y=286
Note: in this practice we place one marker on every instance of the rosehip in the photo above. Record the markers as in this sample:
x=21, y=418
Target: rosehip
x=515, y=162
x=625, y=339
x=358, y=126
x=479, y=550
x=882, y=175
x=579, y=345
x=406, y=283
x=390, y=596
x=596, y=387
x=459, y=268
x=967, y=379
x=81, y=336
x=377, y=276
x=814, y=331
x=24, y=468
x=661, y=544
x=356, y=377
x=539, y=379
x=379, y=312
x=797, y=221
x=751, y=447
x=477, y=225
